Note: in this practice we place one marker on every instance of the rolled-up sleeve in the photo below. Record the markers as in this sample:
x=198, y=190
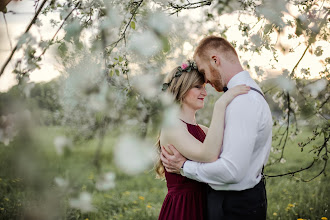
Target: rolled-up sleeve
x=241, y=128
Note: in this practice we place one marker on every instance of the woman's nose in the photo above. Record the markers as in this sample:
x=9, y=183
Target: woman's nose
x=204, y=91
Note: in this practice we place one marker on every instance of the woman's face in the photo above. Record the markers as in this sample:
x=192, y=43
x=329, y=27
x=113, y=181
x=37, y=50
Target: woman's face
x=195, y=97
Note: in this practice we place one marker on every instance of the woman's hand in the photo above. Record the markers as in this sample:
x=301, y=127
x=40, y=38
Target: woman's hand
x=228, y=96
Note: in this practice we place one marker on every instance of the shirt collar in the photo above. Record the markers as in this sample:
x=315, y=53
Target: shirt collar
x=239, y=78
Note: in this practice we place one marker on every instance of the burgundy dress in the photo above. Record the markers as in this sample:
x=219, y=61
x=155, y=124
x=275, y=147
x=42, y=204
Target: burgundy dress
x=186, y=198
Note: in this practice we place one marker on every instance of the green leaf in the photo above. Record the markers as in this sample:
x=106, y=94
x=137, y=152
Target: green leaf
x=111, y=73
x=267, y=28
x=117, y=72
x=133, y=25
x=120, y=59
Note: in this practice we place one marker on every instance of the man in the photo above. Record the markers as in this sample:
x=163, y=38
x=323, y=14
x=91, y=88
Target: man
x=236, y=189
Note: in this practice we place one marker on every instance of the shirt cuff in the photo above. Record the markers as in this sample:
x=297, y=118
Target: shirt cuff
x=189, y=169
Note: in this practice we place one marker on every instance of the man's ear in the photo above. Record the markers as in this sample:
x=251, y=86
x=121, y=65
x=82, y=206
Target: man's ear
x=215, y=60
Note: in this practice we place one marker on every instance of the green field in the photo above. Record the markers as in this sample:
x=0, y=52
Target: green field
x=27, y=183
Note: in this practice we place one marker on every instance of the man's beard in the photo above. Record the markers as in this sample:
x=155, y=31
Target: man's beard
x=216, y=79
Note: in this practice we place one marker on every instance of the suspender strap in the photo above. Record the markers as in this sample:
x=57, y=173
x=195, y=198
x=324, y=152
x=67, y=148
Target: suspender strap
x=254, y=89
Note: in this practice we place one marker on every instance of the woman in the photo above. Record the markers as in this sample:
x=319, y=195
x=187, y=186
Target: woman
x=186, y=198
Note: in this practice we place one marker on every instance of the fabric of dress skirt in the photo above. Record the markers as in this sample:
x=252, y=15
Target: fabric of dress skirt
x=186, y=198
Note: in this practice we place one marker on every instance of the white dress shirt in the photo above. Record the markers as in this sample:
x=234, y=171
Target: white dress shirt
x=246, y=143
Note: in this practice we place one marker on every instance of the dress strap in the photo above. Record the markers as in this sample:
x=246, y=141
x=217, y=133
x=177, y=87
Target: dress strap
x=188, y=123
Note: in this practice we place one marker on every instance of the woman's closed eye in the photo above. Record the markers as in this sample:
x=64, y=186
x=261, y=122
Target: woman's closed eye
x=199, y=86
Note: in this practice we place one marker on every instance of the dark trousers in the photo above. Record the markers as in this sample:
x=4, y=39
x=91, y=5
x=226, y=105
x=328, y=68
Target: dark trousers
x=249, y=204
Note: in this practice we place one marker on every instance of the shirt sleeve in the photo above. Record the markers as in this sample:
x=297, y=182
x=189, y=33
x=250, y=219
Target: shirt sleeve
x=241, y=126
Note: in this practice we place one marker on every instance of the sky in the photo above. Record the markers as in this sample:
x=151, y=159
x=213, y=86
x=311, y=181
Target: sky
x=18, y=22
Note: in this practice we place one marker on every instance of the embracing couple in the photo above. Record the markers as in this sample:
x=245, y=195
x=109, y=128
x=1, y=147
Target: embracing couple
x=215, y=173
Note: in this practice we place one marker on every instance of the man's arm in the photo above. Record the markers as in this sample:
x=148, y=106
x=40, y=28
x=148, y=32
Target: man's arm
x=172, y=162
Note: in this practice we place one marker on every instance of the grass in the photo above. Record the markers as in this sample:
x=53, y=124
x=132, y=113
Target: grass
x=27, y=183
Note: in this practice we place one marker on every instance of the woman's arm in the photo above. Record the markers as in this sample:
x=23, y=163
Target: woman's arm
x=189, y=146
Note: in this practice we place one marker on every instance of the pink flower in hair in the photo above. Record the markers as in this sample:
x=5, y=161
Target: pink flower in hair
x=184, y=66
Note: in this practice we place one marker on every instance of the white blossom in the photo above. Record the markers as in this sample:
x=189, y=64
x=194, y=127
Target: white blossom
x=285, y=83
x=170, y=118
x=146, y=84
x=106, y=182
x=146, y=43
x=316, y=87
x=84, y=202
x=60, y=182
x=273, y=11
x=160, y=22
x=62, y=142
x=133, y=155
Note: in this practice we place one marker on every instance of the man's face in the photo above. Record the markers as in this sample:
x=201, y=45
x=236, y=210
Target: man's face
x=211, y=74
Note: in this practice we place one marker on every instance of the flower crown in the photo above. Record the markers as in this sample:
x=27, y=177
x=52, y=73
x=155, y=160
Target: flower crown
x=185, y=67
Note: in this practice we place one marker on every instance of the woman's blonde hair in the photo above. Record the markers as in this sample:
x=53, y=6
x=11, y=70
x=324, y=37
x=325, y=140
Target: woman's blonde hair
x=178, y=86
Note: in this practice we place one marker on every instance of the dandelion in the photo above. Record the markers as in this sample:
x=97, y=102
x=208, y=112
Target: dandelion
x=324, y=218
x=141, y=197
x=91, y=176
x=290, y=205
x=149, y=206
x=126, y=193
x=275, y=214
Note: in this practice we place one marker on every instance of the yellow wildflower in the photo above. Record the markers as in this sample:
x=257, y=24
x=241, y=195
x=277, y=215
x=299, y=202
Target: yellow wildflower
x=311, y=208
x=290, y=205
x=149, y=206
x=324, y=218
x=6, y=199
x=275, y=214
x=86, y=219
x=300, y=219
x=141, y=197
x=126, y=193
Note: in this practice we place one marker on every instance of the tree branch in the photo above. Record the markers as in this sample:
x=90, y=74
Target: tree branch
x=26, y=31
x=123, y=34
x=177, y=8
x=65, y=19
